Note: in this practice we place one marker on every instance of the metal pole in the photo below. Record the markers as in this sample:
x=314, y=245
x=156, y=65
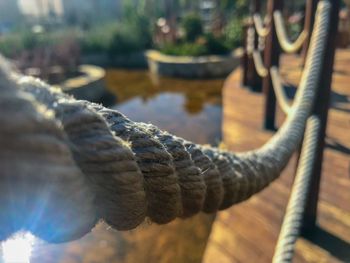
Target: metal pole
x=321, y=110
x=271, y=58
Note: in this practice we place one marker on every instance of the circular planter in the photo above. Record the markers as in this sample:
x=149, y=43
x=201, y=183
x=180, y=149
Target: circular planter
x=88, y=86
x=192, y=67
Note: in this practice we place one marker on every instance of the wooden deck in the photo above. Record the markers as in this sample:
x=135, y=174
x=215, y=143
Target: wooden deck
x=248, y=232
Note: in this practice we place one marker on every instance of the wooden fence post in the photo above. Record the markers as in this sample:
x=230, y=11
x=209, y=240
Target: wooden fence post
x=271, y=58
x=245, y=56
x=309, y=20
x=321, y=110
x=250, y=75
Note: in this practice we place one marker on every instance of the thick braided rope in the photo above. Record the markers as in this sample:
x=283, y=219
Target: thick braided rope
x=292, y=223
x=259, y=64
x=42, y=189
x=281, y=95
x=261, y=30
x=132, y=170
x=285, y=43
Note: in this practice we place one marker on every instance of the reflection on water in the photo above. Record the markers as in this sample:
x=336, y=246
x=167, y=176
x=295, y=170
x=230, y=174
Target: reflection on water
x=191, y=109
x=183, y=107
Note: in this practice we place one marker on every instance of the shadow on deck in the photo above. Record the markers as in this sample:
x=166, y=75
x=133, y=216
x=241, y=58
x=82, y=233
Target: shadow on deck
x=248, y=232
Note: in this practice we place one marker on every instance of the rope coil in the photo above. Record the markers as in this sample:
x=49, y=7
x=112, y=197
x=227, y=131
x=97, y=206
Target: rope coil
x=80, y=162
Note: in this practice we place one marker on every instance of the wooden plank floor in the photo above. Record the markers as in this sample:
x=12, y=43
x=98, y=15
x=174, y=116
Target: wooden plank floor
x=248, y=232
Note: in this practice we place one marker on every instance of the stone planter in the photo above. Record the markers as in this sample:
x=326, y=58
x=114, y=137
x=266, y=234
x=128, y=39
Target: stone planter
x=87, y=86
x=192, y=67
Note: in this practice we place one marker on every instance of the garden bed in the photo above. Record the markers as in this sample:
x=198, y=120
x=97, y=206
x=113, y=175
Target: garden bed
x=212, y=66
x=89, y=85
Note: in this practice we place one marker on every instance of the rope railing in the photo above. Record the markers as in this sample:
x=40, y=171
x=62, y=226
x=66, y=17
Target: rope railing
x=293, y=220
x=259, y=64
x=285, y=43
x=279, y=91
x=261, y=30
x=273, y=39
x=67, y=164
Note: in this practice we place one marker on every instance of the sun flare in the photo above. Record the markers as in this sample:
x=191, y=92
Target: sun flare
x=18, y=248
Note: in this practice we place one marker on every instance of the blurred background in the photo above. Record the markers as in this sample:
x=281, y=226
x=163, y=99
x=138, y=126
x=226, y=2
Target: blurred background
x=125, y=54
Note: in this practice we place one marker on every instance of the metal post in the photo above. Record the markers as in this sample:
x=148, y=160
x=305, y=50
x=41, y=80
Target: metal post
x=271, y=58
x=309, y=20
x=321, y=110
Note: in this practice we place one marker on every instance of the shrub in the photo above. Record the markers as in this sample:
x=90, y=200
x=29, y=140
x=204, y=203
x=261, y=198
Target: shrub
x=123, y=43
x=133, y=34
x=185, y=49
x=97, y=39
x=216, y=45
x=10, y=45
x=233, y=33
x=192, y=25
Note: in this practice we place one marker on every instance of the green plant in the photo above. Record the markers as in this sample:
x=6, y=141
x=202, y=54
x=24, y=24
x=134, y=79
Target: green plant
x=123, y=43
x=97, y=39
x=185, y=49
x=233, y=33
x=131, y=37
x=216, y=45
x=192, y=25
x=10, y=45
x=204, y=45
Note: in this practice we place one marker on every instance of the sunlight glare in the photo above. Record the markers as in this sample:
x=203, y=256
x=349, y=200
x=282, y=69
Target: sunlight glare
x=18, y=248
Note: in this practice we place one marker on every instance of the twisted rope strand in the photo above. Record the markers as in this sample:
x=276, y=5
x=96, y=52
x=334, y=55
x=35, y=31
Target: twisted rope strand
x=259, y=64
x=291, y=226
x=131, y=170
x=261, y=30
x=278, y=88
x=287, y=45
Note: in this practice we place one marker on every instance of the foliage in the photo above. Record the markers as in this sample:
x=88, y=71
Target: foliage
x=10, y=45
x=131, y=36
x=216, y=45
x=96, y=40
x=233, y=33
x=192, y=25
x=112, y=38
x=207, y=44
x=15, y=43
x=185, y=49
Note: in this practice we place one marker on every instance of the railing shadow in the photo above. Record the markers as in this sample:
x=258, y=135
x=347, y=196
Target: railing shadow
x=336, y=246
x=336, y=146
x=337, y=99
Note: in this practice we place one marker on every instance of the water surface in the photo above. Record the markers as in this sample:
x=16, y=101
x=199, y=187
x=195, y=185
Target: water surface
x=188, y=108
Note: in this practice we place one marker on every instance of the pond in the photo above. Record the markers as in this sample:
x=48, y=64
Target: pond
x=188, y=108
